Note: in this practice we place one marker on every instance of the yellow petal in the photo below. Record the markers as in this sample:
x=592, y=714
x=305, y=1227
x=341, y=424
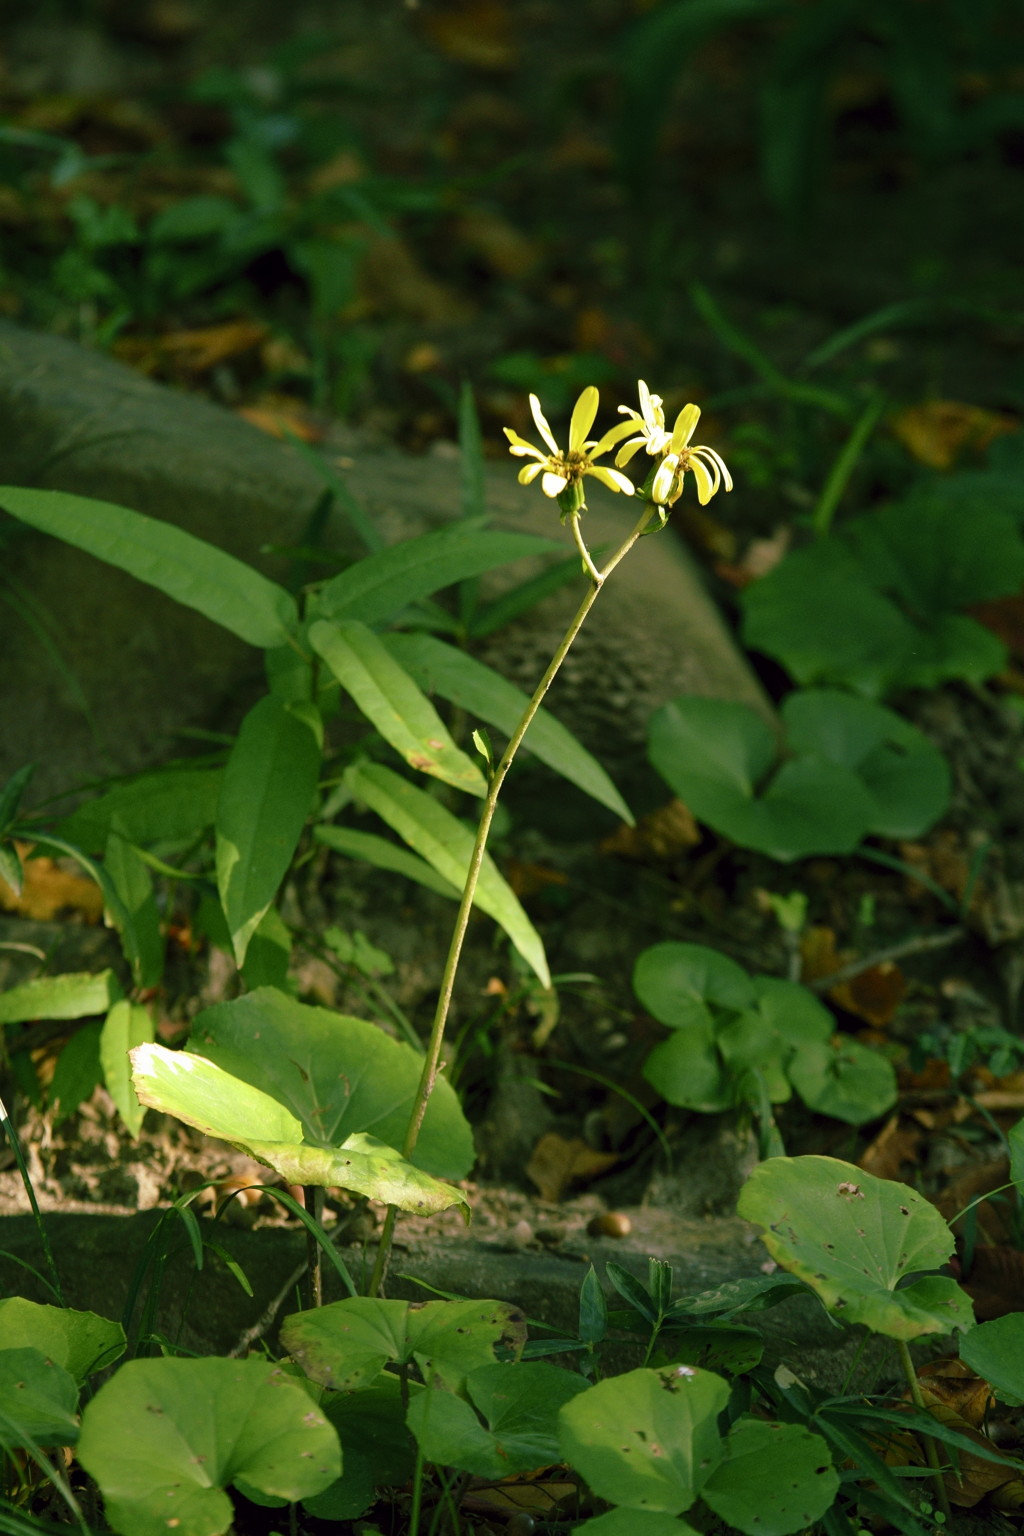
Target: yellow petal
x=612, y=479
x=542, y=426
x=705, y=489
x=612, y=436
x=664, y=480
x=583, y=413
x=552, y=484
x=627, y=450
x=686, y=423
x=528, y=473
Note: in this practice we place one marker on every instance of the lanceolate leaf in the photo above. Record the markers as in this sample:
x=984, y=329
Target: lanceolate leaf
x=171, y=805
x=443, y=669
x=384, y=855
x=73, y=995
x=188, y=569
x=391, y=700
x=266, y=795
x=446, y=844
x=381, y=585
x=127, y=1025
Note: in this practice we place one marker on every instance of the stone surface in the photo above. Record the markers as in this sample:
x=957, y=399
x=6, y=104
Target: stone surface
x=98, y=1257
x=75, y=420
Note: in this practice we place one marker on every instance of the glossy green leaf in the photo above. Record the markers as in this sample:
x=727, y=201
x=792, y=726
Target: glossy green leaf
x=648, y=1439
x=485, y=694
x=266, y=796
x=197, y=1426
x=775, y=1479
x=269, y=954
x=336, y=1074
x=518, y=1405
x=677, y=982
x=141, y=937
x=384, y=855
x=74, y=995
x=79, y=1342
x=11, y=871
x=390, y=699
x=995, y=1352
x=188, y=569
x=379, y=1450
x=170, y=806
x=38, y=1401
x=844, y=1079
x=379, y=586
x=634, y=1522
x=852, y=1238
x=907, y=777
x=346, y=1345
x=77, y=1073
x=11, y=795
x=127, y=1025
x=687, y=1069
x=724, y=750
x=444, y=842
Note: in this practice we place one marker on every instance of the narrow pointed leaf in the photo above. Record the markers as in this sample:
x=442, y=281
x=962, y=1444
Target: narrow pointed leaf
x=75, y=995
x=188, y=569
x=445, y=843
x=381, y=585
x=384, y=855
x=127, y=1025
x=141, y=938
x=265, y=797
x=477, y=688
x=389, y=698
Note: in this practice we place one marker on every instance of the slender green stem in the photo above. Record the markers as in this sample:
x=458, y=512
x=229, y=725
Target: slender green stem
x=432, y=1059
x=588, y=561
x=7, y=1124
x=931, y=1450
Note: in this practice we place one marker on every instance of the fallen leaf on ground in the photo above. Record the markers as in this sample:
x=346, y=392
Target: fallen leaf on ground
x=663, y=834
x=894, y=1150
x=49, y=890
x=279, y=416
x=479, y=33
x=873, y=995
x=937, y=432
x=556, y=1163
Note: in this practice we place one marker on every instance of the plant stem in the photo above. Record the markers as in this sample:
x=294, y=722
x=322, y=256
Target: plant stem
x=7, y=1125
x=433, y=1054
x=314, y=1202
x=930, y=1448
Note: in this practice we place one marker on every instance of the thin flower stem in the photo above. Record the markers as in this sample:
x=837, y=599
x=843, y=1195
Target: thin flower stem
x=433, y=1054
x=588, y=562
x=931, y=1450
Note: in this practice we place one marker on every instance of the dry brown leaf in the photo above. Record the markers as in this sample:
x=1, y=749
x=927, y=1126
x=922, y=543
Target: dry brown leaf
x=664, y=834
x=475, y=32
x=873, y=995
x=540, y=1495
x=953, y=1384
x=894, y=1149
x=196, y=351
x=527, y=879
x=279, y=415
x=48, y=891
x=557, y=1162
x=970, y=1183
x=939, y=431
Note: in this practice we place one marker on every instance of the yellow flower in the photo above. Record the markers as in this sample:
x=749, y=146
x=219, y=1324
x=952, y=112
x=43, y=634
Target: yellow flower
x=708, y=467
x=559, y=469
x=649, y=424
x=652, y=434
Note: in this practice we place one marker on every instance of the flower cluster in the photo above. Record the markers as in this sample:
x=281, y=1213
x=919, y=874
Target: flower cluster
x=563, y=470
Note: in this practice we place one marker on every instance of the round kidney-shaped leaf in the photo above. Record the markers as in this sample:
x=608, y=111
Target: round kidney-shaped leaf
x=347, y=1344
x=164, y=1438
x=81, y=1342
x=775, y=1479
x=995, y=1351
x=844, y=1079
x=687, y=1070
x=649, y=1439
x=853, y=1238
x=38, y=1401
x=634, y=1522
x=677, y=982
x=519, y=1407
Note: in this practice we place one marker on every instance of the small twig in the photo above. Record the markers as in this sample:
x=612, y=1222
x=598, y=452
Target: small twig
x=918, y=946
